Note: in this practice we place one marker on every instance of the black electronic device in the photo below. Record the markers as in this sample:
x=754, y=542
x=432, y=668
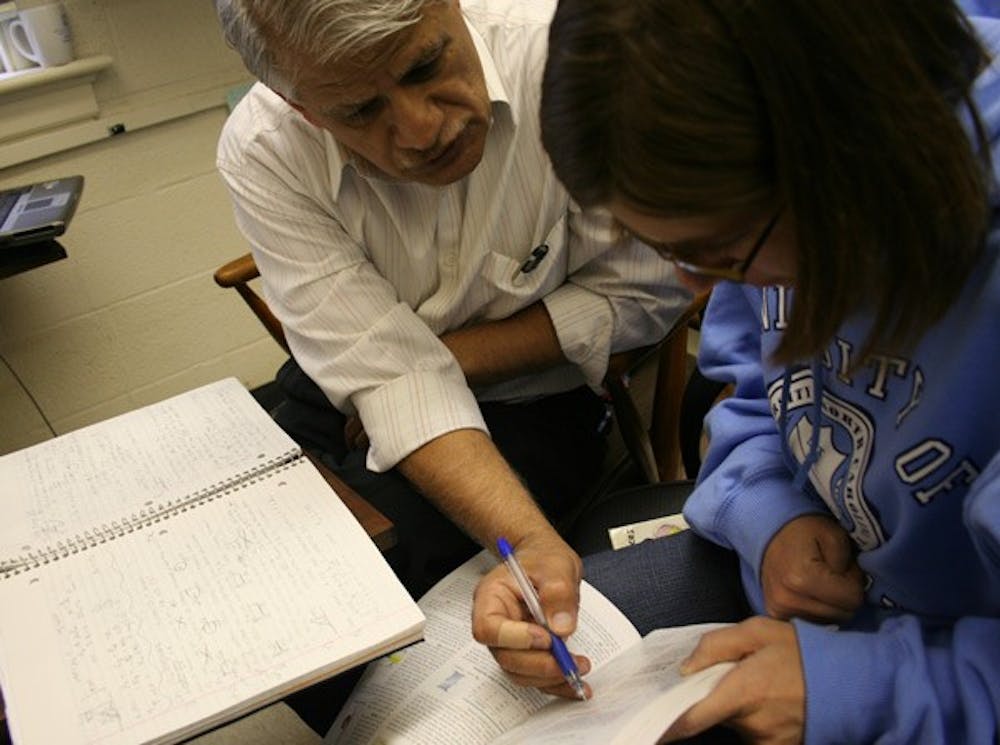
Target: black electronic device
x=38, y=213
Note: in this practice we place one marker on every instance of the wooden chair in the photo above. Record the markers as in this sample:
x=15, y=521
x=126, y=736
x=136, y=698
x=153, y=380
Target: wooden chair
x=238, y=274
x=655, y=449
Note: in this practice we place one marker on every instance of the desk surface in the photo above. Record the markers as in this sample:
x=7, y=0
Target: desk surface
x=377, y=525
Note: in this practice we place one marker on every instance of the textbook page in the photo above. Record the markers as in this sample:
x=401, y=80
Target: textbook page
x=125, y=467
x=637, y=696
x=449, y=688
x=163, y=632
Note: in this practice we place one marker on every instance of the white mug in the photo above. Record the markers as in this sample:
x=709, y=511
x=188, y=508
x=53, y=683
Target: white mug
x=11, y=59
x=42, y=35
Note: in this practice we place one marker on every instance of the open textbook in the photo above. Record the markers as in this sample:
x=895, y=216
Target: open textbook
x=169, y=569
x=449, y=689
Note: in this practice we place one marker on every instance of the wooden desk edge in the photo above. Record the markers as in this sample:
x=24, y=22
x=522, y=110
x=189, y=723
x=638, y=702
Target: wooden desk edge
x=379, y=528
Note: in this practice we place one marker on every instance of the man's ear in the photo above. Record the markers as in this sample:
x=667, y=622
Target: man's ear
x=299, y=108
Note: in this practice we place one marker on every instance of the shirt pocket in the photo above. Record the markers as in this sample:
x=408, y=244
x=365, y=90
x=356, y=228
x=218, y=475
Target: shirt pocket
x=535, y=270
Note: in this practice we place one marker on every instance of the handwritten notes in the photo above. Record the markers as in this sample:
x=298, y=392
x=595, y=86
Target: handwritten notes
x=218, y=605
x=125, y=468
x=165, y=570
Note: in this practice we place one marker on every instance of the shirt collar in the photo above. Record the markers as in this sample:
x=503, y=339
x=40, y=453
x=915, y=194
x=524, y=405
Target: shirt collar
x=340, y=158
x=494, y=85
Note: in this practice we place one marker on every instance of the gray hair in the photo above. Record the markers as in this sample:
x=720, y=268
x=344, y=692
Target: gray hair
x=269, y=32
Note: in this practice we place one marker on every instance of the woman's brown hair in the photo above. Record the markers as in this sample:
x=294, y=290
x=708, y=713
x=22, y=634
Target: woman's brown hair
x=846, y=113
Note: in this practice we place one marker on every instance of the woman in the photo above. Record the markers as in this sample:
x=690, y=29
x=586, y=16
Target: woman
x=825, y=166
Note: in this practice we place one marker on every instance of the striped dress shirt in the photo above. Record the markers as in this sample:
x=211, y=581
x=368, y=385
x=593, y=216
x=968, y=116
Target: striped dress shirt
x=365, y=272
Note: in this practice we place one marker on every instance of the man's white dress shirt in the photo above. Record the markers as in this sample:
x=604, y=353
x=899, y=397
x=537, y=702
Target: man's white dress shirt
x=365, y=273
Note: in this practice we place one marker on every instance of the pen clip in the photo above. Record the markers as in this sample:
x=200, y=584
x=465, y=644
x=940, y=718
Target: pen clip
x=530, y=264
x=534, y=259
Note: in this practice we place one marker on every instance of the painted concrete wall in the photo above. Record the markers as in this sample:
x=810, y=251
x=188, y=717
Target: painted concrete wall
x=132, y=315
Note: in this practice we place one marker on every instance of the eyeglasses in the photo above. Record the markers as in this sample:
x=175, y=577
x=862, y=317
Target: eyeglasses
x=736, y=272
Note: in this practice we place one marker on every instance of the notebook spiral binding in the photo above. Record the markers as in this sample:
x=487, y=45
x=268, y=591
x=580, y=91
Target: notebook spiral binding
x=145, y=518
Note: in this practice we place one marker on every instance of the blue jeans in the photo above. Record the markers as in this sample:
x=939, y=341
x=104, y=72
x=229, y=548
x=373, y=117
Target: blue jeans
x=672, y=581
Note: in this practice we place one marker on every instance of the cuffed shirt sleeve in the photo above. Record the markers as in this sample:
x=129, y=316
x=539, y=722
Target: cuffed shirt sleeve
x=619, y=295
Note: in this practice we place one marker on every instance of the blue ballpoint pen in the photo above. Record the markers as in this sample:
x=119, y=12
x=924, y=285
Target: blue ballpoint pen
x=559, y=651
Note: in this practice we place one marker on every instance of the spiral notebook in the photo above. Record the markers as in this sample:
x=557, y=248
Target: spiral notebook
x=167, y=570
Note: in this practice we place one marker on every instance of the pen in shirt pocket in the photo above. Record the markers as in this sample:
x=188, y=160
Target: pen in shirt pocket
x=531, y=263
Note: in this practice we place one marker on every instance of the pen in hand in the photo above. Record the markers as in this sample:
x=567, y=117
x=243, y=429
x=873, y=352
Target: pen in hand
x=559, y=651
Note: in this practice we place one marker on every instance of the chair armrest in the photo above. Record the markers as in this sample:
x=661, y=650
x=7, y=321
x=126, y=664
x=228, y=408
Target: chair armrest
x=237, y=274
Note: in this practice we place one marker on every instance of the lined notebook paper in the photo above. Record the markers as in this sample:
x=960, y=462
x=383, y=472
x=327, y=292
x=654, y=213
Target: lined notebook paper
x=169, y=569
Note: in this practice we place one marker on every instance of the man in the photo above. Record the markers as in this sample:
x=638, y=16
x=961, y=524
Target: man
x=432, y=276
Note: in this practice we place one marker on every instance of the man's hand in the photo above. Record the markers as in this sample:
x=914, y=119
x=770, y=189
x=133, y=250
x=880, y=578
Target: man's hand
x=809, y=571
x=763, y=697
x=355, y=436
x=467, y=479
x=501, y=621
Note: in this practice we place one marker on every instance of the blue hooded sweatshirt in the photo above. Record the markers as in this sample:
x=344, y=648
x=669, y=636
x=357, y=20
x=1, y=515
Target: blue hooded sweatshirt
x=905, y=453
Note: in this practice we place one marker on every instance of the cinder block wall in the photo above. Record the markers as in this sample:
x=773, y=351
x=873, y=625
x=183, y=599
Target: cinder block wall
x=132, y=315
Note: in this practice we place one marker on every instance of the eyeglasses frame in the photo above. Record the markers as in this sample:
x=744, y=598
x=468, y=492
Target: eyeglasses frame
x=735, y=273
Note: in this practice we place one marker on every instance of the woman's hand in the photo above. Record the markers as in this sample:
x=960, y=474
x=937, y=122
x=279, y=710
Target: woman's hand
x=809, y=571
x=763, y=697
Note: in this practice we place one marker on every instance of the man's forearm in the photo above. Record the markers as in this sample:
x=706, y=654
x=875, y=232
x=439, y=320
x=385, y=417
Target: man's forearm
x=467, y=478
x=496, y=351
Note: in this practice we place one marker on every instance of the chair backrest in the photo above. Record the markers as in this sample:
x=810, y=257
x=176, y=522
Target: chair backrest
x=655, y=449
